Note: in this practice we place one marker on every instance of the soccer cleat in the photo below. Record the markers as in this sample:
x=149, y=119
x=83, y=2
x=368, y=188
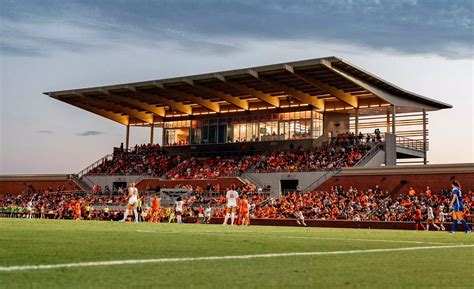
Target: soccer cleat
x=451, y=232
x=468, y=232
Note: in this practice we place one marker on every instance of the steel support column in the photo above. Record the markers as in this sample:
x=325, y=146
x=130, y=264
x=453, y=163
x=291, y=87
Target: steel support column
x=127, y=137
x=425, y=158
x=152, y=133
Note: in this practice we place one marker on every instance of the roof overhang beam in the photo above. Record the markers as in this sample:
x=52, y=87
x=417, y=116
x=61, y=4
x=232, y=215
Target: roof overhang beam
x=122, y=119
x=272, y=100
x=145, y=117
x=299, y=95
x=199, y=100
x=244, y=104
x=340, y=94
x=177, y=106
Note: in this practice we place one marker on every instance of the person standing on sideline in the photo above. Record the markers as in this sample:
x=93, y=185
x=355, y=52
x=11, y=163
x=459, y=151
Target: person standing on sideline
x=457, y=208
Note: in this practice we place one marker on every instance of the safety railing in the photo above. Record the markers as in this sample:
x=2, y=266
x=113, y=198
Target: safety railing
x=412, y=144
x=94, y=165
x=368, y=156
x=326, y=176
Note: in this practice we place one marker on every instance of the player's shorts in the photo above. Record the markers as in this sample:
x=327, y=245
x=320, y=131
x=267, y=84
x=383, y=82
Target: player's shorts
x=133, y=201
x=458, y=215
x=231, y=205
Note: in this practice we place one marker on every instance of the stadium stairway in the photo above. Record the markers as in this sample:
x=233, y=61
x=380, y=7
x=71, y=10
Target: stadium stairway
x=80, y=183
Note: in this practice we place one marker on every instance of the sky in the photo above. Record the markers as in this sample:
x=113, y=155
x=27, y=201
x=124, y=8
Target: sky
x=423, y=46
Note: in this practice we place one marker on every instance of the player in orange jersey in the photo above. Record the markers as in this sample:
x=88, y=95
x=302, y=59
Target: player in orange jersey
x=418, y=217
x=244, y=216
x=76, y=208
x=155, y=208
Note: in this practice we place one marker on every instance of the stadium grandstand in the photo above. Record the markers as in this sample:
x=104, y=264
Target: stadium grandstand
x=320, y=136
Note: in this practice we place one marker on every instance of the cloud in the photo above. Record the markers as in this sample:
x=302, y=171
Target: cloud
x=441, y=27
x=45, y=131
x=90, y=133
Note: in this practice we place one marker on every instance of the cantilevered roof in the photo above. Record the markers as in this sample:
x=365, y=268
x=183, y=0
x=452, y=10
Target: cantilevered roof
x=325, y=84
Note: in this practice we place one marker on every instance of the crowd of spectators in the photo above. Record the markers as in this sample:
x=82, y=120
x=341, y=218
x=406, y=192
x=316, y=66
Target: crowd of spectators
x=211, y=167
x=144, y=159
x=344, y=150
x=337, y=203
x=352, y=204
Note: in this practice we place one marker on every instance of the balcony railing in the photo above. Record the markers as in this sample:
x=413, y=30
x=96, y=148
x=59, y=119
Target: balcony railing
x=412, y=144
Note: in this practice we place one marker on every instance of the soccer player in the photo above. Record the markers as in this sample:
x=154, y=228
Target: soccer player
x=29, y=209
x=457, y=208
x=441, y=216
x=155, y=207
x=430, y=219
x=232, y=197
x=207, y=214
x=418, y=217
x=179, y=210
x=244, y=218
x=300, y=218
x=132, y=202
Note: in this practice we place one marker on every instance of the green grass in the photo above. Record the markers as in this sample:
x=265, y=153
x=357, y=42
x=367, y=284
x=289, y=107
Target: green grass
x=36, y=242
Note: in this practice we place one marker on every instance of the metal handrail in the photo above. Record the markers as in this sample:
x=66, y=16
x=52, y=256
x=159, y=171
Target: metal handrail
x=365, y=159
x=413, y=144
x=94, y=165
x=323, y=178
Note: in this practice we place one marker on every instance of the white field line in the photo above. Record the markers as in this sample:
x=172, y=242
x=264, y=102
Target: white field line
x=370, y=240
x=217, y=258
x=305, y=237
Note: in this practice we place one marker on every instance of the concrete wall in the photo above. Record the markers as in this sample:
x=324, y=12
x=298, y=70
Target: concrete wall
x=335, y=122
x=273, y=179
x=377, y=160
x=109, y=180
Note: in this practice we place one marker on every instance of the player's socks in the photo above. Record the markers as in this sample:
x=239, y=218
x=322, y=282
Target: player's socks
x=135, y=213
x=465, y=225
x=226, y=218
x=232, y=218
x=422, y=227
x=436, y=226
x=179, y=219
x=427, y=227
x=454, y=225
x=125, y=215
x=416, y=226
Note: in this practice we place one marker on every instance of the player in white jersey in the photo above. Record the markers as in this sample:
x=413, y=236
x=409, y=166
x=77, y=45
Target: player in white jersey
x=231, y=206
x=300, y=218
x=29, y=208
x=441, y=217
x=431, y=219
x=132, y=202
x=179, y=210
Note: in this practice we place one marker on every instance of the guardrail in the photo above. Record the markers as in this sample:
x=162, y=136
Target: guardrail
x=368, y=156
x=94, y=165
x=412, y=144
x=322, y=179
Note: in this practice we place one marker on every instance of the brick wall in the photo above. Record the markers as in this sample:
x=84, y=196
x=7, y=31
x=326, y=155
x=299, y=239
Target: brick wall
x=436, y=182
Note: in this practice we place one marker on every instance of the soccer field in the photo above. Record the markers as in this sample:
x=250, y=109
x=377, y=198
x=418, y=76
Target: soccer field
x=80, y=254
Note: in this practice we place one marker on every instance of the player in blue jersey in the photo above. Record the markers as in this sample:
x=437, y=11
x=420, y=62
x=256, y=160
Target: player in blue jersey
x=458, y=208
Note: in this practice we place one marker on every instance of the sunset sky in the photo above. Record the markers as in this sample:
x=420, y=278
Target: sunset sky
x=423, y=46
